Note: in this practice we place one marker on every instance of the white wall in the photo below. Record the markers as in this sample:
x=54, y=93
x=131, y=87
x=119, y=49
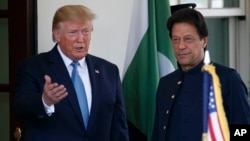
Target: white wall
x=111, y=27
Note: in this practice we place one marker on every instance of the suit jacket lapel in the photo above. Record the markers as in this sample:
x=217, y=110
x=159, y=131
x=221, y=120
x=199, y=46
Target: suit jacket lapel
x=62, y=77
x=95, y=80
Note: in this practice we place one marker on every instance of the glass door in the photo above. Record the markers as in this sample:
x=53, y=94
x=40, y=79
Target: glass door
x=4, y=72
x=18, y=40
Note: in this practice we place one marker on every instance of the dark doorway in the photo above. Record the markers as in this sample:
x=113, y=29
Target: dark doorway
x=18, y=24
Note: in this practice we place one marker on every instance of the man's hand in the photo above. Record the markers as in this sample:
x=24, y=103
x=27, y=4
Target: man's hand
x=52, y=92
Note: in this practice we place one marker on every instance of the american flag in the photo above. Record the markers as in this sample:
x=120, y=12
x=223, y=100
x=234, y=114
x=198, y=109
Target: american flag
x=215, y=126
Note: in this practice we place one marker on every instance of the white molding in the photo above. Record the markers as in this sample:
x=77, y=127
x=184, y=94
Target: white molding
x=222, y=12
x=225, y=12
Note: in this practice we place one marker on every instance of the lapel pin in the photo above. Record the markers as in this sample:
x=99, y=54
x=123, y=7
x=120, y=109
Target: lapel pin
x=97, y=71
x=179, y=82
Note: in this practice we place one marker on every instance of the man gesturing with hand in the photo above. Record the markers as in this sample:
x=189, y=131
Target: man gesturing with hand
x=52, y=92
x=66, y=94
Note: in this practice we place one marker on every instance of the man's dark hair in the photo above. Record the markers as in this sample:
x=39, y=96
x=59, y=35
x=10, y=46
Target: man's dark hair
x=191, y=16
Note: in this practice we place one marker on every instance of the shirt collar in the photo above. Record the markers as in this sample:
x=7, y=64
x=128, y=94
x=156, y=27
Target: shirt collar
x=196, y=69
x=67, y=61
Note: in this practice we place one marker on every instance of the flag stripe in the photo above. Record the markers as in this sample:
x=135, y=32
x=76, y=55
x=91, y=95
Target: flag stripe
x=214, y=127
x=139, y=22
x=147, y=50
x=217, y=122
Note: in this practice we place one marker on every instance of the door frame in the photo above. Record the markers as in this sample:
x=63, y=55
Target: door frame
x=22, y=17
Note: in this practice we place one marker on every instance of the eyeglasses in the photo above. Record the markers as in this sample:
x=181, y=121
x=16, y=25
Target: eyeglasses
x=187, y=39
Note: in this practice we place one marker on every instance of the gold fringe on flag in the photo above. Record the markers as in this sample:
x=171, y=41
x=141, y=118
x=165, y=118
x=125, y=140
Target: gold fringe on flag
x=219, y=102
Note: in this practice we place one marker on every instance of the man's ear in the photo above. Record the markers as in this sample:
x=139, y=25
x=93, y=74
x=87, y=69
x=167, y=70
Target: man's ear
x=205, y=41
x=56, y=35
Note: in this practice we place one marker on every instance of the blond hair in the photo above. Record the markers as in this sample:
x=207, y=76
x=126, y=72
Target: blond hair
x=76, y=13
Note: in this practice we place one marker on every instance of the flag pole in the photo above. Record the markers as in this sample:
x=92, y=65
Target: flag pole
x=205, y=97
x=215, y=126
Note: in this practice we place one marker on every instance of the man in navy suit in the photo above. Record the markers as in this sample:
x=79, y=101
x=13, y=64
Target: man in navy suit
x=179, y=102
x=46, y=98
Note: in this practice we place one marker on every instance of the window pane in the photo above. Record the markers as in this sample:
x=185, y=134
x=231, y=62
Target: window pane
x=218, y=43
x=3, y=4
x=209, y=3
x=4, y=118
x=231, y=3
x=4, y=51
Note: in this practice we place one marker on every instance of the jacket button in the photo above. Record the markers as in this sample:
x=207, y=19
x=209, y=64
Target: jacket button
x=167, y=112
x=172, y=96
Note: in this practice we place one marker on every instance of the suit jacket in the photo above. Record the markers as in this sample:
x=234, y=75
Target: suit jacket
x=234, y=95
x=107, y=120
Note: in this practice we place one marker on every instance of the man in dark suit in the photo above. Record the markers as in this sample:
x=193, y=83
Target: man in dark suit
x=179, y=101
x=46, y=98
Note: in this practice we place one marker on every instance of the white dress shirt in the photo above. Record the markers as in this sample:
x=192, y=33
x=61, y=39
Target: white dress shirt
x=84, y=74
